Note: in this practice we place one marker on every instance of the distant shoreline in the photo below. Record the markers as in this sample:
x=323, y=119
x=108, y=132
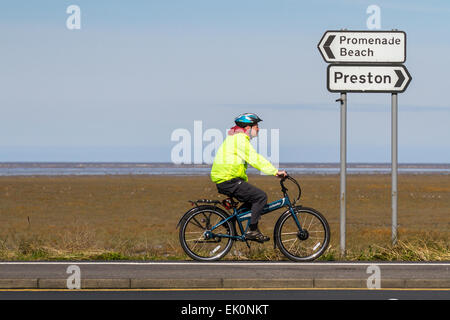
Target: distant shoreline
x=172, y=165
x=160, y=168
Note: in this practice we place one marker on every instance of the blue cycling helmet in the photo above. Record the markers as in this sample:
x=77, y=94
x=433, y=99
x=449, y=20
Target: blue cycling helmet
x=247, y=119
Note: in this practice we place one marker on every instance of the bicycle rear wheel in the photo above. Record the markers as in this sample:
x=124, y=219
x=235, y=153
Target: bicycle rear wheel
x=197, y=239
x=302, y=245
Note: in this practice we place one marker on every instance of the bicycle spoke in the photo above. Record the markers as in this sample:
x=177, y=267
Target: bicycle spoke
x=287, y=233
x=198, y=224
x=295, y=240
x=194, y=239
x=195, y=244
x=310, y=222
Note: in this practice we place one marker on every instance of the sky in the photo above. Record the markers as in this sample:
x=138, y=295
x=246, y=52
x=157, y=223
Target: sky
x=117, y=89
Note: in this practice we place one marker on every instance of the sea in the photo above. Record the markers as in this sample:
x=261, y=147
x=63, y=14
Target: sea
x=122, y=168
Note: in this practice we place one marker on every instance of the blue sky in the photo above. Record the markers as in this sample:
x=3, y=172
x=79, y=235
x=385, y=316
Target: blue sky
x=136, y=71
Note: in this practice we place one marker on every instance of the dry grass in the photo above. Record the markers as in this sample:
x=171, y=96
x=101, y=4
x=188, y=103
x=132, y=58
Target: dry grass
x=134, y=217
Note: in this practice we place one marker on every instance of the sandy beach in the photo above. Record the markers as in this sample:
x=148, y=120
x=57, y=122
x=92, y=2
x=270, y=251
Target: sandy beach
x=95, y=217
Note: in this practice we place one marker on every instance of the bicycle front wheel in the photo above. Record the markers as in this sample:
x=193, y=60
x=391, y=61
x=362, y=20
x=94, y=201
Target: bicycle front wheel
x=197, y=239
x=307, y=243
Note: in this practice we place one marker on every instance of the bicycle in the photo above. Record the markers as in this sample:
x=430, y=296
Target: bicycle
x=207, y=232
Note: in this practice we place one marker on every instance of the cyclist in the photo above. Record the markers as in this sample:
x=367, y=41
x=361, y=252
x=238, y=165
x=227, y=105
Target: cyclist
x=230, y=166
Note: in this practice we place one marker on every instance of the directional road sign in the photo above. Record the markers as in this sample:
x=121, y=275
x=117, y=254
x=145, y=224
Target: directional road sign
x=367, y=78
x=363, y=46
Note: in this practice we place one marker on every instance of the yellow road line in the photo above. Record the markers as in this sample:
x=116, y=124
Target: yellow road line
x=229, y=289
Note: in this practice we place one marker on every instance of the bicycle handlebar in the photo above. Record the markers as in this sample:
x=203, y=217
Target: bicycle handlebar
x=284, y=189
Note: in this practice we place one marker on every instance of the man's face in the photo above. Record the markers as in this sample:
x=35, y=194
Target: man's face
x=253, y=131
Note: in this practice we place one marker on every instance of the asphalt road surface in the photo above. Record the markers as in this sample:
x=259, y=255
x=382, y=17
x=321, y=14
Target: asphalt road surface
x=227, y=294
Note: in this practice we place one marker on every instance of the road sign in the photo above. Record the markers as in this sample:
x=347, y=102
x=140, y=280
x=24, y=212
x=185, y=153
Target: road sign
x=363, y=46
x=365, y=61
x=367, y=78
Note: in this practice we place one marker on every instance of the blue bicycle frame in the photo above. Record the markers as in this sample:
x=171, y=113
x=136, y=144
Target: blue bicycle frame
x=242, y=215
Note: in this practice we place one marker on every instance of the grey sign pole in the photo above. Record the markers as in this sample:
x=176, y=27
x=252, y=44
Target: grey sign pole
x=343, y=170
x=394, y=154
x=365, y=61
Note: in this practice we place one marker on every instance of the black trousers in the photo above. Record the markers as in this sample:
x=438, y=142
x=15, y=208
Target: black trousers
x=252, y=197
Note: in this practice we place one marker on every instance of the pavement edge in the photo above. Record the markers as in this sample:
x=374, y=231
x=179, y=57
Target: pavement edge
x=225, y=283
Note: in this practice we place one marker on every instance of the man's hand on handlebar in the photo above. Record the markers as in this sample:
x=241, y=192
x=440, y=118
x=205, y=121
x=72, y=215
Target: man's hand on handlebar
x=281, y=174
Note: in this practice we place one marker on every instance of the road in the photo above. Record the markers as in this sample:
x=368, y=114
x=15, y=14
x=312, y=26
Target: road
x=170, y=275
x=227, y=294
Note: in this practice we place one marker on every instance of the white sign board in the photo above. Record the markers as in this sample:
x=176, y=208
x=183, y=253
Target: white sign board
x=363, y=46
x=367, y=78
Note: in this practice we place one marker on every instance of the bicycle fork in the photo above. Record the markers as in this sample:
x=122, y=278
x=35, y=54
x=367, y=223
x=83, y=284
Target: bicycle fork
x=277, y=226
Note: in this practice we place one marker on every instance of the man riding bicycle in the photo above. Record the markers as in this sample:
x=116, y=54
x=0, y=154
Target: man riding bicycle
x=230, y=166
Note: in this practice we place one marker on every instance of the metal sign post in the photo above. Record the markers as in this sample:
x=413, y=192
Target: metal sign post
x=365, y=61
x=394, y=153
x=343, y=172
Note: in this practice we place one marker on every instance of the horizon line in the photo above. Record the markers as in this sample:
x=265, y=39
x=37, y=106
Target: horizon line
x=207, y=164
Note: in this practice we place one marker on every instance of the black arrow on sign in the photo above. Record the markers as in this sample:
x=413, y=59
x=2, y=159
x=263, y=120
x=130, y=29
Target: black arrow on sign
x=400, y=80
x=326, y=47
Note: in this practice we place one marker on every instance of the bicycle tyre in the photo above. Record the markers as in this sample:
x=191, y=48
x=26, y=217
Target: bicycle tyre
x=196, y=223
x=308, y=246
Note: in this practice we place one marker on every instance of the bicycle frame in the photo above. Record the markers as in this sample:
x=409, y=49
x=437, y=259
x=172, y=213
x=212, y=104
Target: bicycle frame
x=242, y=215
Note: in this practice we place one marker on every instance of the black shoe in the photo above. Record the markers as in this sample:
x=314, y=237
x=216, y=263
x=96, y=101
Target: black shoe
x=256, y=236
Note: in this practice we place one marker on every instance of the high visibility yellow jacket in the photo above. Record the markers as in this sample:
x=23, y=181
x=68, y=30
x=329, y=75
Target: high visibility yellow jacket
x=232, y=159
